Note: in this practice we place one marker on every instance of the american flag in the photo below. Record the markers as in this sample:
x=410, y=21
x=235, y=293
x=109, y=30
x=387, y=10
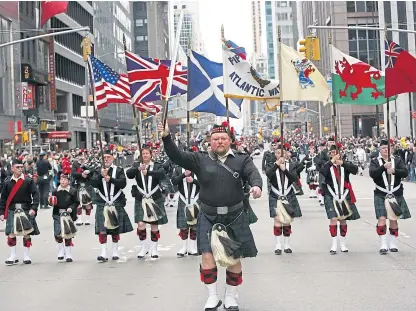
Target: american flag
x=111, y=88
x=392, y=51
x=149, y=78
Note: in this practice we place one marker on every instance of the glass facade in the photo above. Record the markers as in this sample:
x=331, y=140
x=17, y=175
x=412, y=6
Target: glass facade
x=270, y=41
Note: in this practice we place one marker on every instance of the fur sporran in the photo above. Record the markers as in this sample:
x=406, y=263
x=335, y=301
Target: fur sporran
x=84, y=197
x=223, y=248
x=392, y=207
x=22, y=225
x=284, y=211
x=151, y=211
x=110, y=217
x=68, y=229
x=191, y=213
x=342, y=209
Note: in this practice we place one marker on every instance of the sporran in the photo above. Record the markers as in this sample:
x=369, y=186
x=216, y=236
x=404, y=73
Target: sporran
x=68, y=229
x=22, y=225
x=110, y=217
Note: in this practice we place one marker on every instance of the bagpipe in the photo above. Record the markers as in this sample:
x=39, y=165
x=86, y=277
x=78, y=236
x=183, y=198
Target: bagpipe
x=22, y=225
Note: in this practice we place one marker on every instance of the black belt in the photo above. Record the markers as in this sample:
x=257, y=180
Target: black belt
x=22, y=206
x=220, y=210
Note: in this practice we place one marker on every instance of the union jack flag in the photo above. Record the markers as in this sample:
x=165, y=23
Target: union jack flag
x=113, y=88
x=109, y=86
x=149, y=78
x=392, y=51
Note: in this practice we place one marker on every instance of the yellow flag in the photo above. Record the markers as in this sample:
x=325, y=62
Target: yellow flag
x=302, y=81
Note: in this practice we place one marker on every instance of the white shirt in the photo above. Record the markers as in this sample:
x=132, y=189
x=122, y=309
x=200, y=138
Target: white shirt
x=225, y=156
x=22, y=176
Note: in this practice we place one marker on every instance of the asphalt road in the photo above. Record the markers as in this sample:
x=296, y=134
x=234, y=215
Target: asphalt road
x=307, y=279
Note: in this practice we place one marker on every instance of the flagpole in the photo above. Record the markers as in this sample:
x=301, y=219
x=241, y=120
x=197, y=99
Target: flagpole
x=166, y=96
x=411, y=115
x=279, y=47
x=227, y=110
x=334, y=105
x=188, y=105
x=136, y=125
x=97, y=120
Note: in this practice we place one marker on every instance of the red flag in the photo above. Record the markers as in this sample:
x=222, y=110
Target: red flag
x=400, y=70
x=51, y=8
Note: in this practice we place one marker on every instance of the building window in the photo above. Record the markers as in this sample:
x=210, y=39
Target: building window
x=69, y=71
x=282, y=16
x=350, y=6
x=139, y=22
x=79, y=14
x=77, y=102
x=183, y=6
x=139, y=38
x=71, y=41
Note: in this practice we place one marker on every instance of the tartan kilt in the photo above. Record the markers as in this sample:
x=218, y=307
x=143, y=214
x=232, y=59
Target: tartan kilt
x=330, y=209
x=380, y=209
x=293, y=201
x=123, y=219
x=181, y=222
x=252, y=217
x=139, y=214
x=308, y=178
x=238, y=231
x=10, y=223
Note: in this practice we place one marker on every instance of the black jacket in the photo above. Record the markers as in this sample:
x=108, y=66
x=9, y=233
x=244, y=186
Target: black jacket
x=349, y=168
x=119, y=183
x=66, y=200
x=288, y=173
x=158, y=174
x=27, y=194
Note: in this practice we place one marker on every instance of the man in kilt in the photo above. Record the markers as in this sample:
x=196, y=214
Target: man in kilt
x=220, y=173
x=67, y=201
x=188, y=187
x=312, y=172
x=19, y=191
x=337, y=186
x=81, y=175
x=282, y=176
x=321, y=159
x=148, y=176
x=387, y=176
x=110, y=181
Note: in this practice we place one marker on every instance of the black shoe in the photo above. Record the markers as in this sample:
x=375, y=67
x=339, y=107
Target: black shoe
x=215, y=308
x=115, y=258
x=394, y=250
x=69, y=260
x=11, y=263
x=180, y=255
x=102, y=259
x=278, y=252
x=60, y=258
x=383, y=251
x=232, y=308
x=155, y=256
x=27, y=262
x=288, y=251
x=332, y=252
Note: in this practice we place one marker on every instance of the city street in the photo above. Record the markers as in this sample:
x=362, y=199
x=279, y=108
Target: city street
x=308, y=279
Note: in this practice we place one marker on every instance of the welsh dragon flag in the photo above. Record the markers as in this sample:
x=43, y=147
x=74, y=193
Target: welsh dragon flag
x=355, y=82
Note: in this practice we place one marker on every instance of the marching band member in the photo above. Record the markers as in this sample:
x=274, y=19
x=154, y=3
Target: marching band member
x=149, y=201
x=339, y=198
x=110, y=218
x=65, y=201
x=221, y=201
x=388, y=196
x=282, y=200
x=312, y=172
x=188, y=208
x=19, y=193
x=81, y=174
x=297, y=168
x=321, y=159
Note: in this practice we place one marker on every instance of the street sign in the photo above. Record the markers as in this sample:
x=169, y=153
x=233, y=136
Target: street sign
x=32, y=120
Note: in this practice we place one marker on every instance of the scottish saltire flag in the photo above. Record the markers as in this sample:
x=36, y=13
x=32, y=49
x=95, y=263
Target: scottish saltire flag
x=149, y=78
x=205, y=89
x=109, y=86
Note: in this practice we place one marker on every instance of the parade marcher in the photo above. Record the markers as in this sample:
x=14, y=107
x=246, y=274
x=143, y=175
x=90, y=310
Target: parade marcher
x=339, y=198
x=220, y=173
x=42, y=168
x=64, y=200
x=282, y=176
x=149, y=201
x=19, y=193
x=321, y=159
x=387, y=176
x=110, y=181
x=188, y=187
x=81, y=174
x=297, y=168
x=312, y=177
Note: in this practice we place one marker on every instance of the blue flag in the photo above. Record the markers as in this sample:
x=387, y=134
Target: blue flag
x=205, y=88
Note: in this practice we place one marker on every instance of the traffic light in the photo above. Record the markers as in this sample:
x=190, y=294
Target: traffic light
x=196, y=114
x=25, y=137
x=310, y=48
x=144, y=115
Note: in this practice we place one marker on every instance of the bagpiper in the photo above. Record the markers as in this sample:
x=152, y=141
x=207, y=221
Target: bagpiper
x=389, y=202
x=312, y=177
x=18, y=206
x=283, y=204
x=149, y=205
x=339, y=198
x=188, y=208
x=222, y=221
x=65, y=201
x=110, y=217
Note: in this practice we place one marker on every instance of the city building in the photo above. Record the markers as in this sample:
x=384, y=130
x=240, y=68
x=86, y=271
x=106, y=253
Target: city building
x=10, y=65
x=367, y=46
